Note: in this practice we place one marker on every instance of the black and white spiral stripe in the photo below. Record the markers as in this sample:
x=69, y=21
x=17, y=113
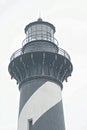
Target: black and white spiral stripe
x=40, y=101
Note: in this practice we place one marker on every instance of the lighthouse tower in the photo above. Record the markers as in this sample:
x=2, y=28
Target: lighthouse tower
x=40, y=67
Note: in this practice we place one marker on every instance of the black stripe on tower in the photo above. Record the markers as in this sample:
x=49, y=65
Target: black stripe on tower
x=53, y=119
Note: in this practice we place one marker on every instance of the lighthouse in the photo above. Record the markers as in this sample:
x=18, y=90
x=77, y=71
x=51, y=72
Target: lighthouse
x=39, y=67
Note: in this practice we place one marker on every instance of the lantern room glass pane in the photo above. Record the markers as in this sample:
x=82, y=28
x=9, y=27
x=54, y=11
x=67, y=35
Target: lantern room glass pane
x=38, y=27
x=40, y=32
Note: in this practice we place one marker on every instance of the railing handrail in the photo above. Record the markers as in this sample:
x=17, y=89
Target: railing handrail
x=16, y=54
x=64, y=53
x=20, y=52
x=35, y=37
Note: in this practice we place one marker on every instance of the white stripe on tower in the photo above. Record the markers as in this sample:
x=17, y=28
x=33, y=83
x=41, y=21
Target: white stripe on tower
x=47, y=96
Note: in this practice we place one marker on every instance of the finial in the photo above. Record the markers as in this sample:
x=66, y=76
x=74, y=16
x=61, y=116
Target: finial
x=39, y=14
x=39, y=19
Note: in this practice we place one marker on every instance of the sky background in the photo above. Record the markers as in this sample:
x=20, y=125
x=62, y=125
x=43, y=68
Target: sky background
x=70, y=19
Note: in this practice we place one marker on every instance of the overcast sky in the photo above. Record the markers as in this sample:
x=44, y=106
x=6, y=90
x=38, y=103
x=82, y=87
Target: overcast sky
x=70, y=19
